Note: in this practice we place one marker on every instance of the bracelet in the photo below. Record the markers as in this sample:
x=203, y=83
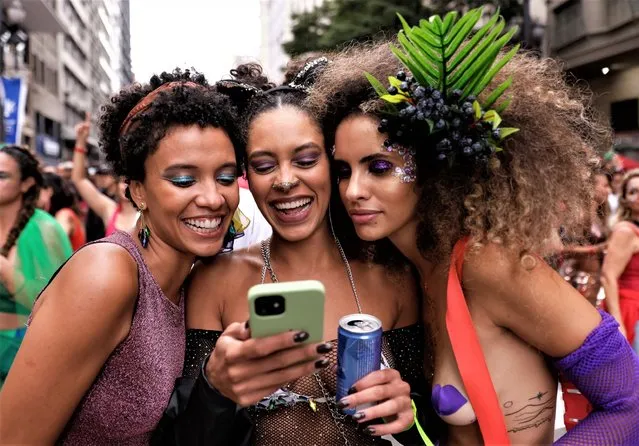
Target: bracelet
x=80, y=150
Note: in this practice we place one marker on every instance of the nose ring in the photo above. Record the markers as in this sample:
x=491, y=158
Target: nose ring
x=285, y=186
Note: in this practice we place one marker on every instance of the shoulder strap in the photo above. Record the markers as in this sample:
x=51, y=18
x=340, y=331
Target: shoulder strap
x=470, y=357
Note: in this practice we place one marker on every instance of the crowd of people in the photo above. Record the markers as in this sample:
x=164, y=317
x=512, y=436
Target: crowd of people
x=123, y=316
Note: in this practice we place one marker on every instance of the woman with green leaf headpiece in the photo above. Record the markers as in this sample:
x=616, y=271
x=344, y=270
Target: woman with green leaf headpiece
x=468, y=156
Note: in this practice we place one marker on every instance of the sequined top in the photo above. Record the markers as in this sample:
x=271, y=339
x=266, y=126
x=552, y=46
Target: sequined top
x=296, y=423
x=128, y=397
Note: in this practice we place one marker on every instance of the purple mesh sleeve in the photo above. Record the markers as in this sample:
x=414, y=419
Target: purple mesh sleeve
x=606, y=371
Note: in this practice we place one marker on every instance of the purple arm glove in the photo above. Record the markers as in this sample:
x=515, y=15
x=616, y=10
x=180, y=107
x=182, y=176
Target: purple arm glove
x=606, y=371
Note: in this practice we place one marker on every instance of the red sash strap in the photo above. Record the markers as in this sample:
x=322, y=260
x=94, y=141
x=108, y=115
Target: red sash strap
x=470, y=358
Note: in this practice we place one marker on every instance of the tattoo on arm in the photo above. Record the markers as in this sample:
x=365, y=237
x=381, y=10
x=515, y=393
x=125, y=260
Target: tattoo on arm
x=540, y=409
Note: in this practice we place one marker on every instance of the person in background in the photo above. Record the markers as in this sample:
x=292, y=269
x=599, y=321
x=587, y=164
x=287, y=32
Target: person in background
x=64, y=169
x=258, y=229
x=116, y=214
x=581, y=264
x=107, y=183
x=59, y=200
x=33, y=247
x=581, y=267
x=620, y=271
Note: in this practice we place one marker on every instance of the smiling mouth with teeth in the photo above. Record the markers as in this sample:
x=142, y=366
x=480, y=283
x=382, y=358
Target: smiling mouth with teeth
x=292, y=206
x=203, y=225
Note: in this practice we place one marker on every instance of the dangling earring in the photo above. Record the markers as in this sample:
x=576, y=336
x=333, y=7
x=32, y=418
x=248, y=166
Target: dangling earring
x=144, y=234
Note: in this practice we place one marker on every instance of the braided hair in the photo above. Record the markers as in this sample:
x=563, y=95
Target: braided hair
x=29, y=168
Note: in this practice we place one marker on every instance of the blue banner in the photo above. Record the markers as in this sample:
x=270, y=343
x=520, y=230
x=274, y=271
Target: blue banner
x=15, y=95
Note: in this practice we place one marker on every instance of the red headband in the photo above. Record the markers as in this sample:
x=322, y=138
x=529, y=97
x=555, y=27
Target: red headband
x=147, y=100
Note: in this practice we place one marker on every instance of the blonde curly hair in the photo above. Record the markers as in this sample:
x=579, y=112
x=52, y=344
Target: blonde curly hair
x=624, y=212
x=543, y=179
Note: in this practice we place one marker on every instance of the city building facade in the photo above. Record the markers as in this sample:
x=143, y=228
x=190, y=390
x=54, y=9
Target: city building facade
x=76, y=57
x=599, y=42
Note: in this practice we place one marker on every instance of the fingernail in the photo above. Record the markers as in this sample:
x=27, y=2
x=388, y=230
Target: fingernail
x=359, y=416
x=300, y=336
x=352, y=390
x=320, y=364
x=246, y=325
x=324, y=348
x=369, y=431
x=342, y=404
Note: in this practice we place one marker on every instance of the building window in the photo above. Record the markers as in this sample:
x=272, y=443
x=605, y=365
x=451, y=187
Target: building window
x=619, y=12
x=625, y=115
x=569, y=24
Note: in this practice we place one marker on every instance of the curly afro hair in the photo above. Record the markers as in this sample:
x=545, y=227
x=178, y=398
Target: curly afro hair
x=542, y=180
x=177, y=106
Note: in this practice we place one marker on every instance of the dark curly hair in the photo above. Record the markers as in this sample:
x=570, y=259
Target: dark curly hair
x=29, y=168
x=182, y=104
x=63, y=195
x=520, y=197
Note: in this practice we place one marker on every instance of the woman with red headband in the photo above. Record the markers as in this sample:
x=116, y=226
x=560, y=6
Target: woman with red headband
x=106, y=340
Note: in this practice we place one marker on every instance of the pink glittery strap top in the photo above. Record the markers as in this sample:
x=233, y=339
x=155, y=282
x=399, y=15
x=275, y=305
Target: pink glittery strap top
x=128, y=397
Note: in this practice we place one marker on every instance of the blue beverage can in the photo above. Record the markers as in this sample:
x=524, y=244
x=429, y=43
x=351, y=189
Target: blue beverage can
x=359, y=351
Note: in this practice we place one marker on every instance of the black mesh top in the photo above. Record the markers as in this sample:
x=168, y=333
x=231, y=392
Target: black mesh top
x=299, y=424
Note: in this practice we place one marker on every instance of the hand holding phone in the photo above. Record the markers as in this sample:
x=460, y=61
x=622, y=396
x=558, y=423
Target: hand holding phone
x=246, y=366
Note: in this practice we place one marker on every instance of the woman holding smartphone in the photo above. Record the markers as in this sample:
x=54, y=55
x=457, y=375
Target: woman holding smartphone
x=290, y=388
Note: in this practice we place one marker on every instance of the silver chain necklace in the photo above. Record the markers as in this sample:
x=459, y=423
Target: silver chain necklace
x=337, y=416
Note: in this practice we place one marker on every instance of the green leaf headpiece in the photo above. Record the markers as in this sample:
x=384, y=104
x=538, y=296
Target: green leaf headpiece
x=449, y=68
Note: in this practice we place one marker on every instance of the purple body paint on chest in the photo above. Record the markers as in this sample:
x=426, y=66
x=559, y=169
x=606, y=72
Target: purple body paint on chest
x=447, y=400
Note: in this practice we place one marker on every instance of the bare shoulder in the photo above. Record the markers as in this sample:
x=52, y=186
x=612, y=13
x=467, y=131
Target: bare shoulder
x=625, y=230
x=493, y=265
x=217, y=279
x=98, y=267
x=99, y=281
x=386, y=278
x=396, y=286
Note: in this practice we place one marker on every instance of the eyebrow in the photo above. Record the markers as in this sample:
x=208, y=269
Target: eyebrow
x=193, y=167
x=308, y=145
x=369, y=158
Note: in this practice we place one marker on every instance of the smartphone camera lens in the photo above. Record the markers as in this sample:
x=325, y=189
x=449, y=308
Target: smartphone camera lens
x=270, y=305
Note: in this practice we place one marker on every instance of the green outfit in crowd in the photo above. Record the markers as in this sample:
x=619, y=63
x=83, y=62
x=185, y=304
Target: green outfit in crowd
x=42, y=248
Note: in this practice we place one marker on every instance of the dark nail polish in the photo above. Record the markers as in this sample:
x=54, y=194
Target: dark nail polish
x=352, y=390
x=320, y=364
x=300, y=336
x=324, y=348
x=343, y=403
x=369, y=431
x=359, y=416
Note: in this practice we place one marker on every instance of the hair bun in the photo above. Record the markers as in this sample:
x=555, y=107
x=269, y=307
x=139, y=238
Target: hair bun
x=253, y=75
x=306, y=77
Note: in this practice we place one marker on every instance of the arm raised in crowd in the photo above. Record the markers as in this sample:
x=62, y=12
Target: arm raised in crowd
x=97, y=201
x=77, y=323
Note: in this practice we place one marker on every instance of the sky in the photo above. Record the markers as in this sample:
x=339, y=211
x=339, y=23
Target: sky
x=205, y=34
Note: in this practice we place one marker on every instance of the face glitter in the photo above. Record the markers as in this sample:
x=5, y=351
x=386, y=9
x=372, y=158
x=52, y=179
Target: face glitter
x=408, y=172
